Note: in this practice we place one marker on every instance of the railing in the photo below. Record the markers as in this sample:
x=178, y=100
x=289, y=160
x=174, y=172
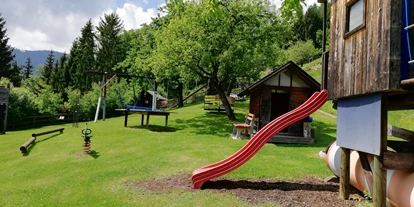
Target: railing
x=37, y=121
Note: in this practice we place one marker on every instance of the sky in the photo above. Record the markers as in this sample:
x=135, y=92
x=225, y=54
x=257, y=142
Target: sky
x=54, y=24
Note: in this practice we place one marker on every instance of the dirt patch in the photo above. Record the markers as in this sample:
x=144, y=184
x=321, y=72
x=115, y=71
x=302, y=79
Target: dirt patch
x=308, y=191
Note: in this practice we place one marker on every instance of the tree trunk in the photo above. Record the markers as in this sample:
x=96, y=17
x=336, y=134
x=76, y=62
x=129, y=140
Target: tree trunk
x=180, y=95
x=211, y=88
x=226, y=104
x=230, y=86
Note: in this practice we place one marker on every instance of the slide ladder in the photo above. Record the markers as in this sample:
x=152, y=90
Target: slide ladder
x=201, y=175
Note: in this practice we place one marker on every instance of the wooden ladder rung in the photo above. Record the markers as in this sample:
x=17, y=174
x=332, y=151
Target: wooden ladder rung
x=408, y=82
x=409, y=27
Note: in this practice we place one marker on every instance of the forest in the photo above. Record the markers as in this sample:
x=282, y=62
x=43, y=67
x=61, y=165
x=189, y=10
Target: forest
x=227, y=44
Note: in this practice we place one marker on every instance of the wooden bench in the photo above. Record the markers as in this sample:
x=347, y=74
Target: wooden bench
x=247, y=126
x=213, y=102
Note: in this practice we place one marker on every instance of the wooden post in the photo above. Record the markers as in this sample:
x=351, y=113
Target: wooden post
x=126, y=118
x=380, y=175
x=344, y=174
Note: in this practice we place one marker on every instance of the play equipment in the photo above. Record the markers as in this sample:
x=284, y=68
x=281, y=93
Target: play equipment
x=143, y=111
x=400, y=184
x=86, y=139
x=227, y=165
x=103, y=88
x=24, y=147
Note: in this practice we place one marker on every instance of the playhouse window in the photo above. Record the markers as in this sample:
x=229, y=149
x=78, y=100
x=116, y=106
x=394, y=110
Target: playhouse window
x=355, y=16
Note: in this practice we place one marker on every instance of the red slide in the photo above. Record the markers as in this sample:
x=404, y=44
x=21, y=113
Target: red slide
x=229, y=164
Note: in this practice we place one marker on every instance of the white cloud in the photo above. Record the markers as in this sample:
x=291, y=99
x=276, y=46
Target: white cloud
x=54, y=24
x=134, y=16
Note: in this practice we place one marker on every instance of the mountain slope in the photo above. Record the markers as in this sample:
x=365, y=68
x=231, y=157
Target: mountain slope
x=36, y=56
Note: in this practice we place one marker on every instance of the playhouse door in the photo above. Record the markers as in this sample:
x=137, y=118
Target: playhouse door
x=280, y=106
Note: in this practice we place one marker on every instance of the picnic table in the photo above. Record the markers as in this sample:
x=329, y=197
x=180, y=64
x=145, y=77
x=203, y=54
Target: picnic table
x=143, y=112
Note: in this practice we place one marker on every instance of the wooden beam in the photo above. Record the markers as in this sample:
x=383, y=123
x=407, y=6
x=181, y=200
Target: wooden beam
x=322, y=1
x=408, y=82
x=401, y=102
x=344, y=174
x=399, y=161
x=367, y=170
x=380, y=175
x=401, y=146
x=400, y=133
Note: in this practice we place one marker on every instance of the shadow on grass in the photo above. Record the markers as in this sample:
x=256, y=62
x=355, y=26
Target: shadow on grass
x=94, y=154
x=209, y=123
x=31, y=146
x=262, y=185
x=155, y=128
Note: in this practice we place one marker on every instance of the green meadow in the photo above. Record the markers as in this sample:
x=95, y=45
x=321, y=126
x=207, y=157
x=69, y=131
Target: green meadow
x=54, y=172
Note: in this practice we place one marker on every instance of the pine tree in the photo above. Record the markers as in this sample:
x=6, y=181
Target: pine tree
x=6, y=57
x=110, y=48
x=28, y=69
x=55, y=78
x=48, y=68
x=15, y=76
x=73, y=66
x=86, y=60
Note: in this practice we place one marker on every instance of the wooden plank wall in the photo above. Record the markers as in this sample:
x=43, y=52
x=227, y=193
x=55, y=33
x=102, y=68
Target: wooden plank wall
x=255, y=100
x=366, y=61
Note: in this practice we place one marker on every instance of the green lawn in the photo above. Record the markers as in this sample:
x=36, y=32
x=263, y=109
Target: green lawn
x=55, y=173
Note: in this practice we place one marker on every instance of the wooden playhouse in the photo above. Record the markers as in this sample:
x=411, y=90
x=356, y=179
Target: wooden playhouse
x=367, y=74
x=284, y=89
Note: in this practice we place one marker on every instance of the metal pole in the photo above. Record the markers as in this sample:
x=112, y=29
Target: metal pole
x=154, y=98
x=325, y=10
x=104, y=99
x=99, y=102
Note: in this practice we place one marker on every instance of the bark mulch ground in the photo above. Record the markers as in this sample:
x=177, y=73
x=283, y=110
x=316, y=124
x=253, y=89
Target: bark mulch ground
x=308, y=191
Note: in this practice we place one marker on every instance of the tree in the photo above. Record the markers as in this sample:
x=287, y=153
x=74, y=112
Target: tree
x=74, y=66
x=239, y=40
x=15, y=76
x=289, y=8
x=313, y=21
x=48, y=68
x=86, y=56
x=110, y=48
x=6, y=57
x=28, y=69
x=301, y=52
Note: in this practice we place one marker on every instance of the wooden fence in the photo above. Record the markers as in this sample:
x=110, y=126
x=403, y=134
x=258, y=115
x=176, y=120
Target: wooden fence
x=38, y=121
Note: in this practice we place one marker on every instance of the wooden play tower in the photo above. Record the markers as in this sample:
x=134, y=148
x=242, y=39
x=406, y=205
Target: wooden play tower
x=367, y=72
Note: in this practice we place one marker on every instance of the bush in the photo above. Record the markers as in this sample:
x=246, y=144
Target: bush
x=21, y=104
x=48, y=102
x=301, y=52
